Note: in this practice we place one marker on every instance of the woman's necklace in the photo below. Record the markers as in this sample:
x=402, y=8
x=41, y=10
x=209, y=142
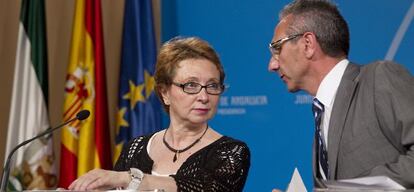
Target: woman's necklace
x=178, y=151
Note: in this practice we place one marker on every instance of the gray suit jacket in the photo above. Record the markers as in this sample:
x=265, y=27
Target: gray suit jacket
x=371, y=131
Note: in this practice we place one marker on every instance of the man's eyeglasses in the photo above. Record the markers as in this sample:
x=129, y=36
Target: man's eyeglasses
x=194, y=88
x=276, y=46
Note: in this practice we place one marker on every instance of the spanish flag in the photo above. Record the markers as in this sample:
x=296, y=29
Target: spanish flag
x=86, y=144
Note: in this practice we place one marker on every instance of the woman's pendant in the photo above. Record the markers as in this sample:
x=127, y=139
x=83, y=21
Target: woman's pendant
x=176, y=156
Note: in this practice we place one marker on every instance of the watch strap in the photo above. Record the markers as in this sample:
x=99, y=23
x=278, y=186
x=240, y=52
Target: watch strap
x=136, y=178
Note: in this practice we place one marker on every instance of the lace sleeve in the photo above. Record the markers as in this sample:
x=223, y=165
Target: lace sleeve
x=121, y=163
x=129, y=153
x=223, y=168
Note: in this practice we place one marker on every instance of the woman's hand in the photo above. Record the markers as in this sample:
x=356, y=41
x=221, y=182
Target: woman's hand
x=100, y=179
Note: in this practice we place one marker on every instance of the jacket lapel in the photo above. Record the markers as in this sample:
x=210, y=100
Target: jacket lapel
x=339, y=113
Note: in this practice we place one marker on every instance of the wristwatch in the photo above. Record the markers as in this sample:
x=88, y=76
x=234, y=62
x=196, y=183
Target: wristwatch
x=136, y=178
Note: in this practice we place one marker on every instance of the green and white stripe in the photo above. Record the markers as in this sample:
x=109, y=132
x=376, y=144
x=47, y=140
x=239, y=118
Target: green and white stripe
x=28, y=112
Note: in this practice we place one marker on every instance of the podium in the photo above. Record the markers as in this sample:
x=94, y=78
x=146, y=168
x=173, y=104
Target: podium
x=151, y=190
x=359, y=190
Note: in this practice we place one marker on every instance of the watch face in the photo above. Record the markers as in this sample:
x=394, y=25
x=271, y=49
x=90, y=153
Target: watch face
x=136, y=173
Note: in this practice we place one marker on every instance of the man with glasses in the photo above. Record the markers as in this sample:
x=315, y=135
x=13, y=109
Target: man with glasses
x=364, y=115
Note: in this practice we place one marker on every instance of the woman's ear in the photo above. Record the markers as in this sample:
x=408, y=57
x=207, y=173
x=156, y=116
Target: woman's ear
x=165, y=95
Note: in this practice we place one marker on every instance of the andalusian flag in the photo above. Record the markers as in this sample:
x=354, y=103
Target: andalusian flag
x=33, y=167
x=86, y=144
x=139, y=111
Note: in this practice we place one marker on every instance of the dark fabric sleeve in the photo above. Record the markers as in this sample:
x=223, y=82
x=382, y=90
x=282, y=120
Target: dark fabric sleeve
x=121, y=163
x=223, y=168
x=134, y=154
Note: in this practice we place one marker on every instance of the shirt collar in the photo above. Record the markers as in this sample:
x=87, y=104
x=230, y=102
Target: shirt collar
x=330, y=83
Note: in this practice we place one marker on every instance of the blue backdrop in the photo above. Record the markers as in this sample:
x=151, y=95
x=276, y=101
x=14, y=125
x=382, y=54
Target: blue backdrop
x=277, y=125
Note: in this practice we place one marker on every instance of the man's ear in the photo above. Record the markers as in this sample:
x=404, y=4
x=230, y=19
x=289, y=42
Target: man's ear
x=311, y=44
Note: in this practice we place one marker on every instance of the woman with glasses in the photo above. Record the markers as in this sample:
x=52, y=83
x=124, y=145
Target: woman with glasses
x=189, y=155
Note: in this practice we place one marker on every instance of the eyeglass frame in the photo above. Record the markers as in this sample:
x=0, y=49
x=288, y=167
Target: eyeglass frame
x=182, y=85
x=275, y=47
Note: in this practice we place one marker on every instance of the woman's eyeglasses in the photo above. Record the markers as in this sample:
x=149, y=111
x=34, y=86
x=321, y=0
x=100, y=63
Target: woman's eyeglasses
x=194, y=88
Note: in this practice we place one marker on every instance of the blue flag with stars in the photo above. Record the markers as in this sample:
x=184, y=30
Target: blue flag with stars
x=139, y=110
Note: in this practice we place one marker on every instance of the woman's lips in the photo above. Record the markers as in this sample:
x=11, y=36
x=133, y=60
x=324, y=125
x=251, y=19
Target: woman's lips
x=201, y=110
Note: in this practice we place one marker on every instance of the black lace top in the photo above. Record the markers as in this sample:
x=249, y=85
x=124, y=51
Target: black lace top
x=221, y=166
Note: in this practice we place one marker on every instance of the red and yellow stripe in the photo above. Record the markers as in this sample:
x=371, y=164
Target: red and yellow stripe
x=86, y=144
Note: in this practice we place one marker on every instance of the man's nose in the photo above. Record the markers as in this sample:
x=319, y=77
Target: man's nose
x=273, y=64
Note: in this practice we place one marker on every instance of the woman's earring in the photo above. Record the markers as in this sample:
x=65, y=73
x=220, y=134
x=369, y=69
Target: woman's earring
x=167, y=102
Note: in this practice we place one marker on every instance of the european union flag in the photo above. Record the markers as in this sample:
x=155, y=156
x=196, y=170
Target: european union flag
x=139, y=111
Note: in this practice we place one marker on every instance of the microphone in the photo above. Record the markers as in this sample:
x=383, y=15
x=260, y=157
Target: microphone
x=81, y=115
